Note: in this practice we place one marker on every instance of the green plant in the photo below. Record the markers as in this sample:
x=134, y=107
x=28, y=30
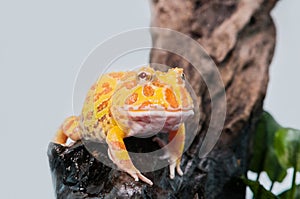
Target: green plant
x=275, y=149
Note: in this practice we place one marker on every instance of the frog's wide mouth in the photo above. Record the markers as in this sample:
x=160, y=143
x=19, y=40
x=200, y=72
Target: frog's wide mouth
x=141, y=121
x=154, y=112
x=159, y=113
x=165, y=112
x=154, y=108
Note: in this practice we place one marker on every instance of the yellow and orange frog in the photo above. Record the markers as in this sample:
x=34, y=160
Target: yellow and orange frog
x=136, y=103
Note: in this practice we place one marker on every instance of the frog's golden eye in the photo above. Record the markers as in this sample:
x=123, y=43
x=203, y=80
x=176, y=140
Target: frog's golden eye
x=144, y=76
x=182, y=76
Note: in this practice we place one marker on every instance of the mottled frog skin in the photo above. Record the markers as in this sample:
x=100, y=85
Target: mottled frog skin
x=137, y=103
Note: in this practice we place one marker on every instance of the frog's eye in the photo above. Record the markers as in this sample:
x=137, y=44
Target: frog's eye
x=183, y=76
x=144, y=76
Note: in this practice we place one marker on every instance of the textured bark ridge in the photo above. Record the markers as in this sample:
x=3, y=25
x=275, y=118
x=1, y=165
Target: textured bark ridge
x=240, y=37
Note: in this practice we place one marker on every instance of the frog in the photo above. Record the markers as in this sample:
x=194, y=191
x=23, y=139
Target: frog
x=138, y=103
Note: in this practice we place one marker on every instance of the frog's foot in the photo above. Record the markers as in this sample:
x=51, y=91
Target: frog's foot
x=69, y=129
x=119, y=155
x=175, y=149
x=173, y=159
x=173, y=165
x=128, y=167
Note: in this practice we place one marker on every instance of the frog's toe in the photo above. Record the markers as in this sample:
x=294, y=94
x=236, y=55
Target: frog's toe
x=175, y=165
x=179, y=171
x=145, y=179
x=172, y=169
x=140, y=176
x=134, y=175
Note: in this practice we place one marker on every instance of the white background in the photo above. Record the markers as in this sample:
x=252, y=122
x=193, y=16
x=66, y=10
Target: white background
x=42, y=45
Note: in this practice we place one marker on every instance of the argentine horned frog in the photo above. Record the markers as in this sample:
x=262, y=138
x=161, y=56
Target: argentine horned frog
x=135, y=103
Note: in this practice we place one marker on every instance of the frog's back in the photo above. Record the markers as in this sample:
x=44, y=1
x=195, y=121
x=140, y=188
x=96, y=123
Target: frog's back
x=96, y=118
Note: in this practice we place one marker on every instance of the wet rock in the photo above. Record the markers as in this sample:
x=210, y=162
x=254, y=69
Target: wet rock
x=78, y=174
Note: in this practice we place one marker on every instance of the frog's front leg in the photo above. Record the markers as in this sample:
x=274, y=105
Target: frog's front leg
x=175, y=150
x=119, y=155
x=69, y=129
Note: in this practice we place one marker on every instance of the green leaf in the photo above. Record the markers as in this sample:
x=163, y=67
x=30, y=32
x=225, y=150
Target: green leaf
x=264, y=157
x=286, y=194
x=273, y=168
x=258, y=190
x=287, y=147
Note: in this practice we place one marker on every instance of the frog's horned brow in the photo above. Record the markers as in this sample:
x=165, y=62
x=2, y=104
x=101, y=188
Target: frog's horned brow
x=179, y=70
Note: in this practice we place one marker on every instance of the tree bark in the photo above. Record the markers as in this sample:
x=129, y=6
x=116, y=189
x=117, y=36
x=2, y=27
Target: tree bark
x=240, y=37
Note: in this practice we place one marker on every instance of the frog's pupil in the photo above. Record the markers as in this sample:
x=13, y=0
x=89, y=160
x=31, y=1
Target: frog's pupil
x=142, y=75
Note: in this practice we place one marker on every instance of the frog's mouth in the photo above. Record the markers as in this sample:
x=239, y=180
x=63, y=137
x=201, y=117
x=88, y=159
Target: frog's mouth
x=157, y=112
x=160, y=112
x=147, y=122
x=150, y=122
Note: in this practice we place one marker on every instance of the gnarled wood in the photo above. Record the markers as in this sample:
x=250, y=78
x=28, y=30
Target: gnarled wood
x=240, y=37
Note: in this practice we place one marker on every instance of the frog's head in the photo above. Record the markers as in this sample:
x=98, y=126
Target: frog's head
x=147, y=101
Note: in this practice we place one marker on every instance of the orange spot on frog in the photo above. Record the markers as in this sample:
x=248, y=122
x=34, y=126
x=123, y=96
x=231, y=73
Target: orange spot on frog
x=116, y=75
x=171, y=98
x=131, y=99
x=148, y=91
x=145, y=105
